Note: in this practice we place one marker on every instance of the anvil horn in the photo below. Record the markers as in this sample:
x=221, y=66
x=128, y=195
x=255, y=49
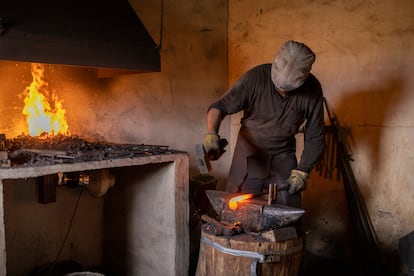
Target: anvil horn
x=254, y=214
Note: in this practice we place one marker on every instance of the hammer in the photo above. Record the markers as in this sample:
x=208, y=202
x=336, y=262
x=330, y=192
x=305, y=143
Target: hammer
x=204, y=158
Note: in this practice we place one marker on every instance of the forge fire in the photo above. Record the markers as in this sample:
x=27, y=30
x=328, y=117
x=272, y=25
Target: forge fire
x=43, y=109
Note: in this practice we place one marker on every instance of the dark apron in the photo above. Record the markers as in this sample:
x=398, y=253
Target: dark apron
x=254, y=168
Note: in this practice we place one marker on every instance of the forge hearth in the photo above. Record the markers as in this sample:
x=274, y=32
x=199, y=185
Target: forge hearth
x=141, y=220
x=27, y=151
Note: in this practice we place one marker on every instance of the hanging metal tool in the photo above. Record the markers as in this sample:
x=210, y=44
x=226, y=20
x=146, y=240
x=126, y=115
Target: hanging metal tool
x=337, y=157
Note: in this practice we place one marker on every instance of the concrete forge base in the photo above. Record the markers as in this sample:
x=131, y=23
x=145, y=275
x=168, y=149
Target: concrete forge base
x=139, y=227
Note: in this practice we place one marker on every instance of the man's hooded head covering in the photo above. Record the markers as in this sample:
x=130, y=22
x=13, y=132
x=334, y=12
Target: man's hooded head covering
x=292, y=65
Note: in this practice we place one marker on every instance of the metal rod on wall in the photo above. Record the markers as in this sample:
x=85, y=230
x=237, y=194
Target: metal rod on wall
x=369, y=261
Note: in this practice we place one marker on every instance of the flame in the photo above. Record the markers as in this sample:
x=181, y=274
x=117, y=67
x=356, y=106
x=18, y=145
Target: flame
x=233, y=202
x=41, y=116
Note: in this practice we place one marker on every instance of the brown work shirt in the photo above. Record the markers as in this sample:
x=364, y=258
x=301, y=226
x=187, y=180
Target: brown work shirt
x=271, y=121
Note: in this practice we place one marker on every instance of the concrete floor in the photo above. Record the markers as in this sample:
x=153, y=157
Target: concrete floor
x=313, y=265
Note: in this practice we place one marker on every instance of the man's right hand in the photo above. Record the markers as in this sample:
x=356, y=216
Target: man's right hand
x=212, y=143
x=214, y=146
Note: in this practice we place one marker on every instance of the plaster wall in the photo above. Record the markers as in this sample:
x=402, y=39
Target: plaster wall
x=193, y=75
x=365, y=62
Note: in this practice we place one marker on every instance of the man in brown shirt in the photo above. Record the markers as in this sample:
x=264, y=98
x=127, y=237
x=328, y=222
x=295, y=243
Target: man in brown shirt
x=277, y=99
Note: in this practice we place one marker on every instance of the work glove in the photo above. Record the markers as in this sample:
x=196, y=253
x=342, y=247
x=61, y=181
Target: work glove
x=214, y=146
x=297, y=181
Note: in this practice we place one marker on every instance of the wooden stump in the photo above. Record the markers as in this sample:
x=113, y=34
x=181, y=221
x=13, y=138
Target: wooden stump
x=247, y=254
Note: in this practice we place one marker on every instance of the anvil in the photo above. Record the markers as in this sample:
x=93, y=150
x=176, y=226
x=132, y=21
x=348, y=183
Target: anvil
x=254, y=214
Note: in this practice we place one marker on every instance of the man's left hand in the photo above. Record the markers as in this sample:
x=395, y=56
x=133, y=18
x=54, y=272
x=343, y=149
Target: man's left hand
x=297, y=181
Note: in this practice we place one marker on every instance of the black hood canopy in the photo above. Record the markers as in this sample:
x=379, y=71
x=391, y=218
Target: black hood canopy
x=91, y=33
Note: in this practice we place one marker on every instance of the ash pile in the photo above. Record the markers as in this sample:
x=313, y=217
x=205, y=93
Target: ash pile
x=26, y=150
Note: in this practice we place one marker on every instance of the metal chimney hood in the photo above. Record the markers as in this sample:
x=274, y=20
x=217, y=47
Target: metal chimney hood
x=91, y=33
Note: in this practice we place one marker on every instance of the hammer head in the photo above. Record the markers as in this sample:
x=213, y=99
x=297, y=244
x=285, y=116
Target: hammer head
x=203, y=162
x=204, y=158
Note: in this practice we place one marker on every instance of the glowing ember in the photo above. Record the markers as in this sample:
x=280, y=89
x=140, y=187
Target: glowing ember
x=41, y=116
x=233, y=202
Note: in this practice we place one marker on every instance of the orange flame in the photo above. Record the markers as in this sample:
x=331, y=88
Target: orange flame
x=41, y=116
x=234, y=201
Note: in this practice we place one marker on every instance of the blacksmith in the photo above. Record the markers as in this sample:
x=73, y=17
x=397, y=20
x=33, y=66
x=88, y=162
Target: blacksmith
x=277, y=100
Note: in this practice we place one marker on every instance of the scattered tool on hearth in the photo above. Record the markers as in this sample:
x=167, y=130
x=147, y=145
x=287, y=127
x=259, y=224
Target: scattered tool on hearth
x=254, y=213
x=204, y=158
x=222, y=228
x=52, y=156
